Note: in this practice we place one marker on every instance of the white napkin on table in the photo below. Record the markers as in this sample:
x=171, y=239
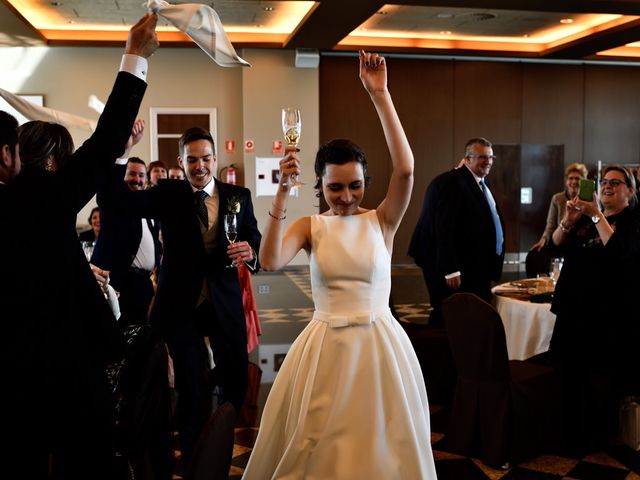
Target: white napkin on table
x=202, y=24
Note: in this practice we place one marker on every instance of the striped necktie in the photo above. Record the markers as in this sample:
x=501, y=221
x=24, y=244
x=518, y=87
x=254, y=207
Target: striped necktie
x=201, y=207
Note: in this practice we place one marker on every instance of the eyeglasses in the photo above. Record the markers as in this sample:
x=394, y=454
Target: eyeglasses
x=482, y=157
x=614, y=182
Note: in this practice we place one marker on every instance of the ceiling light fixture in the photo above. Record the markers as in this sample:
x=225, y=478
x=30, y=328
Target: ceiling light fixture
x=268, y=9
x=566, y=20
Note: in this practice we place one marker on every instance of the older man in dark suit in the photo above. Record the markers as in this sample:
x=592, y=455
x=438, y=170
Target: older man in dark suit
x=198, y=294
x=458, y=240
x=60, y=333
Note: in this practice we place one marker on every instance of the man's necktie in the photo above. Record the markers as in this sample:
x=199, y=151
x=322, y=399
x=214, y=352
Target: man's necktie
x=201, y=207
x=496, y=218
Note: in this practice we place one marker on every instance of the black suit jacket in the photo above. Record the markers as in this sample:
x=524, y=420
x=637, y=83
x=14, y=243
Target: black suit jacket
x=60, y=332
x=184, y=263
x=455, y=231
x=119, y=241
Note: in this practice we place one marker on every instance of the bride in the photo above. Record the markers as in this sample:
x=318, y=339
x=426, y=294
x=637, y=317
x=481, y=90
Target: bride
x=349, y=400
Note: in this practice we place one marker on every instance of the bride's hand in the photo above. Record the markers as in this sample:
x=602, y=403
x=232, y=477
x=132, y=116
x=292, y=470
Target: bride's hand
x=373, y=72
x=289, y=165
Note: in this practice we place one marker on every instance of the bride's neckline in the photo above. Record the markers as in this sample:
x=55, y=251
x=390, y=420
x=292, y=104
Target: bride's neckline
x=329, y=213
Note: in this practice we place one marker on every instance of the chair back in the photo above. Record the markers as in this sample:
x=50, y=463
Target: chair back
x=212, y=456
x=477, y=338
x=538, y=261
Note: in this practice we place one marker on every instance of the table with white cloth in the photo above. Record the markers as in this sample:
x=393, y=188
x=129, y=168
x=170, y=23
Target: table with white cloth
x=528, y=326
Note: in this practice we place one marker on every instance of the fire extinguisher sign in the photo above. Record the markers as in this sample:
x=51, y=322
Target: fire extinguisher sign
x=230, y=147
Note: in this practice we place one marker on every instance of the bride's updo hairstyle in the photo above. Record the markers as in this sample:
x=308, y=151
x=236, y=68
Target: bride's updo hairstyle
x=338, y=152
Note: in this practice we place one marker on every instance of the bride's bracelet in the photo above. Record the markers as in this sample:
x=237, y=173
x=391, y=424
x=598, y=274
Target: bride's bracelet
x=274, y=217
x=283, y=210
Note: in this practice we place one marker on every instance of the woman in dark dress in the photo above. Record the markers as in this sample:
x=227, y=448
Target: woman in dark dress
x=596, y=335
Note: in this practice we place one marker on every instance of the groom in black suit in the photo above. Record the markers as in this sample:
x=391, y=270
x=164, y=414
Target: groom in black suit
x=459, y=238
x=198, y=295
x=59, y=331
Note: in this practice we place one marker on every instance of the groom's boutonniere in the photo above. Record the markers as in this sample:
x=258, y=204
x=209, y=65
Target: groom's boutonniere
x=233, y=205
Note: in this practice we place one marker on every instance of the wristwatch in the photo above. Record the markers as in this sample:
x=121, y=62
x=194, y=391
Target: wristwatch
x=595, y=219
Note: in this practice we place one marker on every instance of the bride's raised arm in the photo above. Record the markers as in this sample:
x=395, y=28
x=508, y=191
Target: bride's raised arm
x=373, y=74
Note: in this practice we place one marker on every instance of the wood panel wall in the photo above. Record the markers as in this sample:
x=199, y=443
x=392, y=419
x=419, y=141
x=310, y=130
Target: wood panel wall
x=593, y=110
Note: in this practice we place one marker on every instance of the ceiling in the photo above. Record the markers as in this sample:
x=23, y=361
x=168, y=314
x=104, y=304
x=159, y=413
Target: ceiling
x=544, y=29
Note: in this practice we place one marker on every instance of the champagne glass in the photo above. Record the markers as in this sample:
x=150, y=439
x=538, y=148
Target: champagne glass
x=231, y=231
x=556, y=266
x=291, y=127
x=87, y=248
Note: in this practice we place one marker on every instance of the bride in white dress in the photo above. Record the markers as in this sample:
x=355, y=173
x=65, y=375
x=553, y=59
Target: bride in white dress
x=349, y=401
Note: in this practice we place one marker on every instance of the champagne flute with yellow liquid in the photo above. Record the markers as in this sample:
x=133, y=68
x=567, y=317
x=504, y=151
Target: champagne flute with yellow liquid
x=291, y=127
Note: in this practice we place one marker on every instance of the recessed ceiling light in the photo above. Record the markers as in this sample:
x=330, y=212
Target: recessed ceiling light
x=56, y=4
x=566, y=20
x=445, y=32
x=268, y=9
x=381, y=12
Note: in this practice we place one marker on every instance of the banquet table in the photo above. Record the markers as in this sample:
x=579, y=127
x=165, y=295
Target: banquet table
x=528, y=326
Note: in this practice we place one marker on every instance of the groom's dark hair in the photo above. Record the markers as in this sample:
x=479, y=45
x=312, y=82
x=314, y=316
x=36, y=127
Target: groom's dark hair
x=193, y=134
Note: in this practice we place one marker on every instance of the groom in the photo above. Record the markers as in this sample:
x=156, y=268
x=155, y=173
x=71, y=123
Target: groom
x=198, y=295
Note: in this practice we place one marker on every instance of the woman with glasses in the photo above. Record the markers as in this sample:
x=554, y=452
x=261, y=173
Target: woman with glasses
x=572, y=176
x=597, y=329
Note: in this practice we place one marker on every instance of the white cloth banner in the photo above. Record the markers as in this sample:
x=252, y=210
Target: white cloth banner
x=96, y=104
x=202, y=24
x=36, y=112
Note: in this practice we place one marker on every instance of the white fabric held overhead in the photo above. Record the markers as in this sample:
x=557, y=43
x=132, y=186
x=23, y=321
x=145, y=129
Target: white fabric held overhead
x=36, y=112
x=202, y=24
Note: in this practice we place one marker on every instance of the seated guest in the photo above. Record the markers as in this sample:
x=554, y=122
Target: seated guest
x=91, y=235
x=157, y=170
x=572, y=176
x=596, y=334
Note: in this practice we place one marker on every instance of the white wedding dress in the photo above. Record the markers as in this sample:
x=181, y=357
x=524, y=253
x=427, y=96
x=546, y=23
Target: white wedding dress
x=349, y=401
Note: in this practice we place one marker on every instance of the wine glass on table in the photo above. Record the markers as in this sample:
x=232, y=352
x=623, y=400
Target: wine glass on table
x=291, y=127
x=231, y=231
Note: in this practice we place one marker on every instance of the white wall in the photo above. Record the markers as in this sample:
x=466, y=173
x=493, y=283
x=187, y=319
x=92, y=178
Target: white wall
x=248, y=100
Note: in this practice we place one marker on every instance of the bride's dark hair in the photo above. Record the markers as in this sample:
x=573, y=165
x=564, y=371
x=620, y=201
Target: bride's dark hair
x=338, y=152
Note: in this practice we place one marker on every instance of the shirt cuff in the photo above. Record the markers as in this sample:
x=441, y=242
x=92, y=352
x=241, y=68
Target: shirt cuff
x=122, y=161
x=135, y=65
x=252, y=264
x=452, y=275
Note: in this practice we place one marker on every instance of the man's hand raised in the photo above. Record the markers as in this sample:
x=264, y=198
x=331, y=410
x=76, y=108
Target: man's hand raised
x=136, y=134
x=142, y=40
